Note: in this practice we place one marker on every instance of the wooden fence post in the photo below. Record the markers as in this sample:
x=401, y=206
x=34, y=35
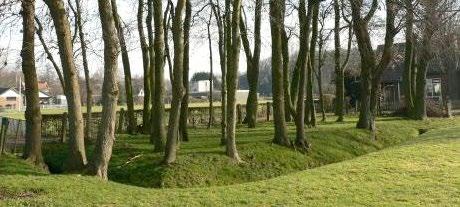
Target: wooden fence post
x=4, y=129
x=268, y=111
x=121, y=121
x=64, y=127
x=1, y=138
x=239, y=114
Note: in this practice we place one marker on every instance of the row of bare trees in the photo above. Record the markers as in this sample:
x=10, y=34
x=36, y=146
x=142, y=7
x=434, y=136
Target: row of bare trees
x=293, y=97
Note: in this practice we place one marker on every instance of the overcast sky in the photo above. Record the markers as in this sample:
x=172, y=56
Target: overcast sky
x=199, y=55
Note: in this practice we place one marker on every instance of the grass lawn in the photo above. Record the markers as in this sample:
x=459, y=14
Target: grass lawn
x=424, y=171
x=202, y=162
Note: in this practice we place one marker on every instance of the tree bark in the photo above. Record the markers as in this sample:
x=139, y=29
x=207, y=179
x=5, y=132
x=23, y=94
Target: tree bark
x=407, y=81
x=33, y=145
x=305, y=17
x=126, y=68
x=106, y=133
x=233, y=53
x=89, y=91
x=211, y=75
x=148, y=69
x=178, y=87
x=288, y=105
x=339, y=72
x=185, y=100
x=253, y=61
x=311, y=65
x=150, y=35
x=222, y=31
x=426, y=55
x=371, y=70
x=158, y=110
x=77, y=157
x=146, y=63
x=276, y=16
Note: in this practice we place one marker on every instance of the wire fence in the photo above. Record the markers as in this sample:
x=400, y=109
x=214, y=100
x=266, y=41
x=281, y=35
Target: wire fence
x=55, y=126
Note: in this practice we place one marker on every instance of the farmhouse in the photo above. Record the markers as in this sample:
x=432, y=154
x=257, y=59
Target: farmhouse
x=10, y=99
x=442, y=81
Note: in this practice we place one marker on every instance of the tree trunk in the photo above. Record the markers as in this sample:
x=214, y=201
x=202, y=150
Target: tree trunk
x=211, y=76
x=89, y=91
x=222, y=31
x=339, y=73
x=288, y=107
x=371, y=72
x=77, y=157
x=185, y=99
x=127, y=70
x=253, y=61
x=106, y=133
x=150, y=35
x=276, y=16
x=145, y=62
x=311, y=65
x=419, y=112
x=407, y=81
x=33, y=145
x=178, y=88
x=148, y=74
x=159, y=132
x=233, y=53
x=430, y=17
x=306, y=17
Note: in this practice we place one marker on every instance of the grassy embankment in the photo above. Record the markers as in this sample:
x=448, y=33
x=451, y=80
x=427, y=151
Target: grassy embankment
x=424, y=171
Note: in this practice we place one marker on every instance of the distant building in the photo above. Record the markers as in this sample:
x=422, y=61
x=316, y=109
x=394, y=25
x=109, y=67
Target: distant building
x=60, y=100
x=43, y=87
x=10, y=99
x=392, y=86
x=200, y=86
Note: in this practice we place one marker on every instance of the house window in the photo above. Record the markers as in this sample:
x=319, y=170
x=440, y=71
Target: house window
x=433, y=87
x=10, y=98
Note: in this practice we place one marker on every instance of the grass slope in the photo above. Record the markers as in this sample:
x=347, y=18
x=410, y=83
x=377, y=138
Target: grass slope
x=202, y=161
x=424, y=172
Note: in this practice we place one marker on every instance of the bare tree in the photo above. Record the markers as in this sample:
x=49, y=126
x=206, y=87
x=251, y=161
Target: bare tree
x=233, y=53
x=371, y=68
x=151, y=75
x=305, y=16
x=276, y=25
x=185, y=100
x=126, y=68
x=409, y=59
x=435, y=14
x=89, y=91
x=158, y=110
x=223, y=36
x=77, y=157
x=339, y=65
x=311, y=112
x=252, y=62
x=33, y=145
x=211, y=74
x=106, y=133
x=177, y=82
x=146, y=65
x=323, y=37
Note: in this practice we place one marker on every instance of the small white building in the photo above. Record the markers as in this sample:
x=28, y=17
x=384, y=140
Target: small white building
x=60, y=100
x=200, y=86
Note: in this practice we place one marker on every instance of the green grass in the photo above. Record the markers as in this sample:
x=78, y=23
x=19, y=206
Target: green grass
x=202, y=162
x=422, y=172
